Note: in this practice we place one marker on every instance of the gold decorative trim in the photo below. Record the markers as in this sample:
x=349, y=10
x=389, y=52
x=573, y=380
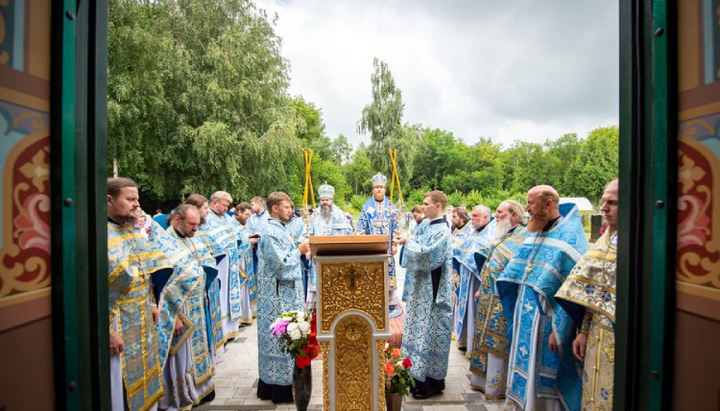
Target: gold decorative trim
x=325, y=348
x=380, y=346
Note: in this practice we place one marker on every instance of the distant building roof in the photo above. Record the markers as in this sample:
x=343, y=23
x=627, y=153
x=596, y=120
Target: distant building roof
x=582, y=203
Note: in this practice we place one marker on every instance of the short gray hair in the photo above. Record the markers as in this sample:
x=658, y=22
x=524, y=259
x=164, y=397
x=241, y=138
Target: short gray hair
x=483, y=209
x=220, y=195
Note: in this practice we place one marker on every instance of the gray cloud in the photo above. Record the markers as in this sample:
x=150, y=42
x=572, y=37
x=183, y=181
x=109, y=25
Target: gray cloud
x=514, y=70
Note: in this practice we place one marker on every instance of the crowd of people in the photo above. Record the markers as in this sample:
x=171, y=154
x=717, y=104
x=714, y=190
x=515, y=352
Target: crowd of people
x=519, y=292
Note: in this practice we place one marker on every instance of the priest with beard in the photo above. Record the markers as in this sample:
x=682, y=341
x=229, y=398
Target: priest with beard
x=542, y=372
x=214, y=246
x=138, y=339
x=376, y=217
x=489, y=358
x=327, y=219
x=188, y=372
x=480, y=236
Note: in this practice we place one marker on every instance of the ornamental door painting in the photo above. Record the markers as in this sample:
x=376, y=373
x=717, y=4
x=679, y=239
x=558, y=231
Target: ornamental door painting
x=696, y=382
x=26, y=373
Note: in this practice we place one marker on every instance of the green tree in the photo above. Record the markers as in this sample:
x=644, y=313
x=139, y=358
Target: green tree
x=197, y=100
x=560, y=154
x=595, y=165
x=383, y=120
x=341, y=149
x=359, y=172
x=436, y=157
x=524, y=164
x=328, y=171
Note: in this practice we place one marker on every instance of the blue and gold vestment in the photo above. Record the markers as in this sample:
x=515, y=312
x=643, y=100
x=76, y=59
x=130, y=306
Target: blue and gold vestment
x=526, y=289
x=132, y=262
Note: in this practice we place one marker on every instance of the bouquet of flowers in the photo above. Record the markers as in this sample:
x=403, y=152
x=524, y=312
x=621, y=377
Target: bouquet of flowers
x=397, y=374
x=298, y=331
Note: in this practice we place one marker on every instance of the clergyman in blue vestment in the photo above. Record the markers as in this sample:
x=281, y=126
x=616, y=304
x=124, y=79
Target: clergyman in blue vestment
x=481, y=233
x=280, y=289
x=377, y=217
x=426, y=337
x=542, y=371
x=138, y=345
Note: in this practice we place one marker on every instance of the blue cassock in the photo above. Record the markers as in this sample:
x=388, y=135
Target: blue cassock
x=457, y=240
x=223, y=228
x=426, y=336
x=475, y=241
x=279, y=281
x=213, y=245
x=528, y=284
x=370, y=223
x=256, y=223
x=246, y=261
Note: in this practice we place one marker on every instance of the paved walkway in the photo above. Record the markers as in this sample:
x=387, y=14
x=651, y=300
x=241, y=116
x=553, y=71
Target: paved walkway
x=236, y=380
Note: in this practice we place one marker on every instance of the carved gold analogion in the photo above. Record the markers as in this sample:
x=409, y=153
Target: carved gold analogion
x=356, y=286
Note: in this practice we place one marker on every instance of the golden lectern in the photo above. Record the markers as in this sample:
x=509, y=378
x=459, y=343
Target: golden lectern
x=352, y=319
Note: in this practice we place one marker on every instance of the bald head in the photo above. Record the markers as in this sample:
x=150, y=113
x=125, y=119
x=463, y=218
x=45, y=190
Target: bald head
x=543, y=205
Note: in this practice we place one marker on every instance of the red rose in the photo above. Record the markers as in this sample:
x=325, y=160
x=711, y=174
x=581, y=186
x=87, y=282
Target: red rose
x=407, y=363
x=302, y=361
x=313, y=350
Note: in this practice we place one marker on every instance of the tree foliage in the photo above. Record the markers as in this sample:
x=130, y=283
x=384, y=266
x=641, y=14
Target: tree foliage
x=197, y=98
x=198, y=102
x=383, y=120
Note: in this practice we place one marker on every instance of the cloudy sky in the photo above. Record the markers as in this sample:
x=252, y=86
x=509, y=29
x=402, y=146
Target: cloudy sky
x=510, y=70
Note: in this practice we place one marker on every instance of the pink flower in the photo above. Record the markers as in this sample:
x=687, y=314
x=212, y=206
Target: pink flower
x=280, y=326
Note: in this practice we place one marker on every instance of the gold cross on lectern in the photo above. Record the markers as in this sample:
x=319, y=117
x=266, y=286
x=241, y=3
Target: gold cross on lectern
x=352, y=278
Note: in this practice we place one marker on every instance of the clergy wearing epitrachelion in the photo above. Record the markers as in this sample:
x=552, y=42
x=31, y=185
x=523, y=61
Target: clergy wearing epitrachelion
x=542, y=372
x=376, y=217
x=491, y=347
x=138, y=348
x=588, y=295
x=426, y=337
x=188, y=372
x=479, y=237
x=327, y=219
x=280, y=289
